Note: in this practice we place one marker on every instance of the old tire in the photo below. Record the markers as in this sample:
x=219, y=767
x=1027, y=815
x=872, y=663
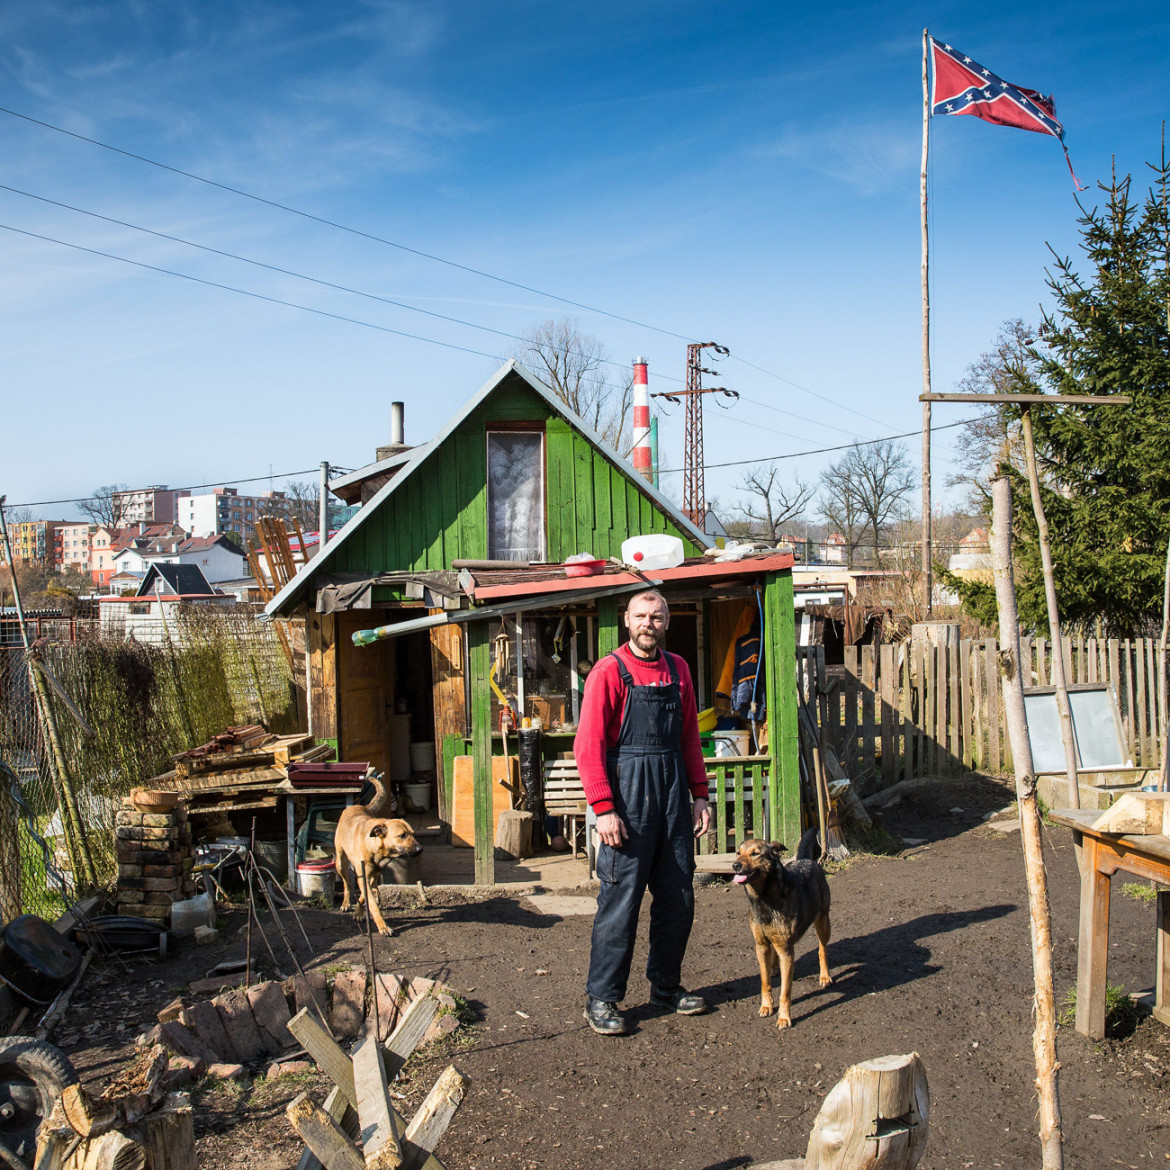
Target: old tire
x=32, y=1076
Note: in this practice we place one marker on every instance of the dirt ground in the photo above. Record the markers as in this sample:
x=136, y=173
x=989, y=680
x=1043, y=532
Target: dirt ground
x=930, y=953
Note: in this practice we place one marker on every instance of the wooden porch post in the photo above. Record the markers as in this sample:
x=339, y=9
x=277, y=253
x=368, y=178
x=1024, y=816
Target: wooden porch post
x=479, y=665
x=783, y=737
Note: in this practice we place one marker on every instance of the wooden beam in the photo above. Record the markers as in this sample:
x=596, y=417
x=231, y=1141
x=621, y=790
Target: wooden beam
x=479, y=648
x=328, y=1141
x=338, y=1107
x=379, y=1132
x=783, y=737
x=413, y=1026
x=328, y=1054
x=434, y=1115
x=1040, y=399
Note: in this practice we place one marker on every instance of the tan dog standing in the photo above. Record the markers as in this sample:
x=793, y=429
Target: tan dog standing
x=364, y=845
x=783, y=902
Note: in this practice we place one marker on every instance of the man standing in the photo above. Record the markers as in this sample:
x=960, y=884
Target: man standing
x=638, y=753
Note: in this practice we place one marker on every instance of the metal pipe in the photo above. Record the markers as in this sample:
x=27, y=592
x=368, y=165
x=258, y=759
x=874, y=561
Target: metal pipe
x=397, y=423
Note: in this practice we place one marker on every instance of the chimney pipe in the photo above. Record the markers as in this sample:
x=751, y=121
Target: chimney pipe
x=641, y=451
x=396, y=423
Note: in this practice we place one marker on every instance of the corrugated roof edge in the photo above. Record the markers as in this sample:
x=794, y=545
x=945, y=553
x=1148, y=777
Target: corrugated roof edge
x=290, y=593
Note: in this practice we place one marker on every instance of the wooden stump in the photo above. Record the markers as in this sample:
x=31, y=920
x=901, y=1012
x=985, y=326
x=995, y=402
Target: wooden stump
x=514, y=834
x=876, y=1117
x=162, y=1140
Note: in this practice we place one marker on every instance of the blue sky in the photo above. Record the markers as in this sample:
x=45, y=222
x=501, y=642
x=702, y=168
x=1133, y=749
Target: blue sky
x=739, y=172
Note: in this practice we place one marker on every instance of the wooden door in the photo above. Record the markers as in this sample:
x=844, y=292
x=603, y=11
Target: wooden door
x=365, y=683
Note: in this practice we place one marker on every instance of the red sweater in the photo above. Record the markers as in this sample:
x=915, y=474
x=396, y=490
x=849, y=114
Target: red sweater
x=602, y=708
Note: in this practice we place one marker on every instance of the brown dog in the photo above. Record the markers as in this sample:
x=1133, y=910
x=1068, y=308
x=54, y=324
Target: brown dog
x=364, y=845
x=784, y=901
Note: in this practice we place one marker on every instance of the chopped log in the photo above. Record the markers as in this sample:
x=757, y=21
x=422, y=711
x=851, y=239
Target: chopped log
x=433, y=1117
x=88, y=1116
x=270, y=1011
x=202, y=1019
x=240, y=1025
x=328, y=1141
x=162, y=1140
x=349, y=1002
x=514, y=834
x=1136, y=813
x=379, y=1133
x=876, y=1117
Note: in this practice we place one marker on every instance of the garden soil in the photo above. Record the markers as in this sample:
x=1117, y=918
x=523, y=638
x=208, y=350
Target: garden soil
x=930, y=954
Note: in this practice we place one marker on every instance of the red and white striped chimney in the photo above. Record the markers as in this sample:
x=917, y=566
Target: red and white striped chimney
x=641, y=451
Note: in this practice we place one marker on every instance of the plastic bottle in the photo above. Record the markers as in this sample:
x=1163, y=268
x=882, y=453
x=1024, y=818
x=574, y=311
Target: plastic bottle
x=656, y=550
x=193, y=912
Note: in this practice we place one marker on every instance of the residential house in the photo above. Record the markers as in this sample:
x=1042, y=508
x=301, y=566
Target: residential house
x=444, y=608
x=108, y=541
x=218, y=560
x=152, y=615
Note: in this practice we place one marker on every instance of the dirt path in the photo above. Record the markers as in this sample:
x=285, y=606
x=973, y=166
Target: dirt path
x=930, y=953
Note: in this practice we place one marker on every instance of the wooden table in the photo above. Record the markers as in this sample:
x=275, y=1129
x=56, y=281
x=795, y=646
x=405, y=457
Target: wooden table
x=1102, y=856
x=290, y=793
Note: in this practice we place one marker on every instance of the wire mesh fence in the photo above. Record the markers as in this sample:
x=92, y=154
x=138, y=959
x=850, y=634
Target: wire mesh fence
x=170, y=683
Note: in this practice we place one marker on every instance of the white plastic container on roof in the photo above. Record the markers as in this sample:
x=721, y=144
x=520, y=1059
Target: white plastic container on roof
x=656, y=550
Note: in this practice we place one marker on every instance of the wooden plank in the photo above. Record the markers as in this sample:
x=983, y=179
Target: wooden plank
x=1162, y=958
x=328, y=1141
x=1091, y=659
x=737, y=782
x=783, y=741
x=757, y=782
x=991, y=668
x=905, y=701
x=338, y=1107
x=1152, y=701
x=954, y=706
x=940, y=692
x=1113, y=671
x=930, y=694
x=479, y=665
x=329, y=1056
x=379, y=1133
x=1092, y=942
x=721, y=809
x=868, y=724
x=978, y=704
x=888, y=725
x=1131, y=724
x=412, y=1027
x=966, y=716
x=849, y=755
x=434, y=1115
x=1139, y=706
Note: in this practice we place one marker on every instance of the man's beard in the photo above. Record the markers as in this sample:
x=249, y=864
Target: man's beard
x=648, y=640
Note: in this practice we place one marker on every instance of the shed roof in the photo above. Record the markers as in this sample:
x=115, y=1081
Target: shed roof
x=291, y=592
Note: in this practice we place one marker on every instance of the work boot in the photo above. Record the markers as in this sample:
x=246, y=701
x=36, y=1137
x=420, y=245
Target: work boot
x=678, y=999
x=604, y=1018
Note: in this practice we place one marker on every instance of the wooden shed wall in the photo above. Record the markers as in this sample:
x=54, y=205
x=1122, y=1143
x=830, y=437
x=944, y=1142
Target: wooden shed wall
x=439, y=513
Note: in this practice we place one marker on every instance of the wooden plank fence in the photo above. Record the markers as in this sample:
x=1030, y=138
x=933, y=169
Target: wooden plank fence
x=893, y=712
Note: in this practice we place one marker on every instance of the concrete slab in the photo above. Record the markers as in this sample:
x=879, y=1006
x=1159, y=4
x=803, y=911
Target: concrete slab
x=561, y=905
x=1004, y=826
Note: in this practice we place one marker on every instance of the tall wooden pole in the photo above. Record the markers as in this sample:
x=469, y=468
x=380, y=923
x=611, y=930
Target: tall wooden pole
x=1039, y=912
x=1165, y=729
x=1058, y=676
x=927, y=569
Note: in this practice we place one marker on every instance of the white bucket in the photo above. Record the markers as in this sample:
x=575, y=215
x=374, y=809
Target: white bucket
x=418, y=796
x=313, y=881
x=422, y=757
x=732, y=743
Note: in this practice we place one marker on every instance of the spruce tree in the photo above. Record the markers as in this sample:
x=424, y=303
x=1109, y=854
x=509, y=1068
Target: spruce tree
x=1104, y=470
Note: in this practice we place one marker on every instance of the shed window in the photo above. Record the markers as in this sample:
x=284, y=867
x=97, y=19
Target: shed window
x=515, y=475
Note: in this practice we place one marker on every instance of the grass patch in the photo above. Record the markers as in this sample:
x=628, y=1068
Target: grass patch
x=1121, y=1013
x=1139, y=891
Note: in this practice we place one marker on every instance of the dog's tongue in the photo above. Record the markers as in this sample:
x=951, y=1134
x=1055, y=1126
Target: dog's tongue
x=739, y=878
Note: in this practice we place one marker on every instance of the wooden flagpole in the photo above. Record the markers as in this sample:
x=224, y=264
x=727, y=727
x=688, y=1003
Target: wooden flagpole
x=927, y=571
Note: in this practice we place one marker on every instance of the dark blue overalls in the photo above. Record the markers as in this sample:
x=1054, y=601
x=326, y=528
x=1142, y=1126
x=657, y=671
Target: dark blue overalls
x=647, y=775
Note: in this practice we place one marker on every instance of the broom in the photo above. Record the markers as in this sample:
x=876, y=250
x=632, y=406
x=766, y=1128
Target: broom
x=832, y=843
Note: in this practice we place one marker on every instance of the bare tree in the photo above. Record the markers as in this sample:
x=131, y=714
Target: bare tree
x=865, y=491
x=772, y=502
x=577, y=368
x=993, y=438
x=105, y=506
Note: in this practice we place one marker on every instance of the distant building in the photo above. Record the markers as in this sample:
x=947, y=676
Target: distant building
x=34, y=542
x=107, y=542
x=149, y=505
x=225, y=510
x=74, y=540
x=152, y=618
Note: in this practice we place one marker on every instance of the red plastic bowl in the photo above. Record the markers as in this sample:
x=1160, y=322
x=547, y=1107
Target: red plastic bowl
x=584, y=568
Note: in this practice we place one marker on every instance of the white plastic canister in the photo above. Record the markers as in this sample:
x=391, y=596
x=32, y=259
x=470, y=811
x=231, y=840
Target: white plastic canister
x=656, y=550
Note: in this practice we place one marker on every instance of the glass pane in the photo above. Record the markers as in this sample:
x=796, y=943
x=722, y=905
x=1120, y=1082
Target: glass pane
x=515, y=496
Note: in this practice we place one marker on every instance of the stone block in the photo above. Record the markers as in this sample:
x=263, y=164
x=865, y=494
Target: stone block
x=159, y=898
x=128, y=832
x=206, y=1023
x=158, y=820
x=240, y=1025
x=162, y=913
x=206, y=936
x=312, y=992
x=131, y=896
x=132, y=883
x=160, y=884
x=128, y=871
x=126, y=817
x=226, y=1072
x=349, y=1002
x=270, y=1011
x=160, y=871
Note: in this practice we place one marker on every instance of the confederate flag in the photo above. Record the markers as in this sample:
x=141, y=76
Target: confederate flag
x=962, y=86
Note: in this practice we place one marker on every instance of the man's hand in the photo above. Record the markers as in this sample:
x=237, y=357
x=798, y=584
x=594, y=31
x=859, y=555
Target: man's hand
x=611, y=829
x=701, y=817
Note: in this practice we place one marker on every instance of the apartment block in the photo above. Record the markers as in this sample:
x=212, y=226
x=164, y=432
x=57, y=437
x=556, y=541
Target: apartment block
x=74, y=546
x=225, y=510
x=35, y=542
x=149, y=505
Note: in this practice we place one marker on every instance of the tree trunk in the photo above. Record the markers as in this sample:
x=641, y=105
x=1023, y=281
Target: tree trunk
x=1040, y=917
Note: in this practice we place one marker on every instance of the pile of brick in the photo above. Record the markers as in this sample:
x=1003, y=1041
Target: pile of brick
x=155, y=858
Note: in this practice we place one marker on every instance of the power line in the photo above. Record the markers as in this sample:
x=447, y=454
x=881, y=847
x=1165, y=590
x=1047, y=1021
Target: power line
x=825, y=450
x=248, y=293
x=297, y=275
x=188, y=488
x=412, y=251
